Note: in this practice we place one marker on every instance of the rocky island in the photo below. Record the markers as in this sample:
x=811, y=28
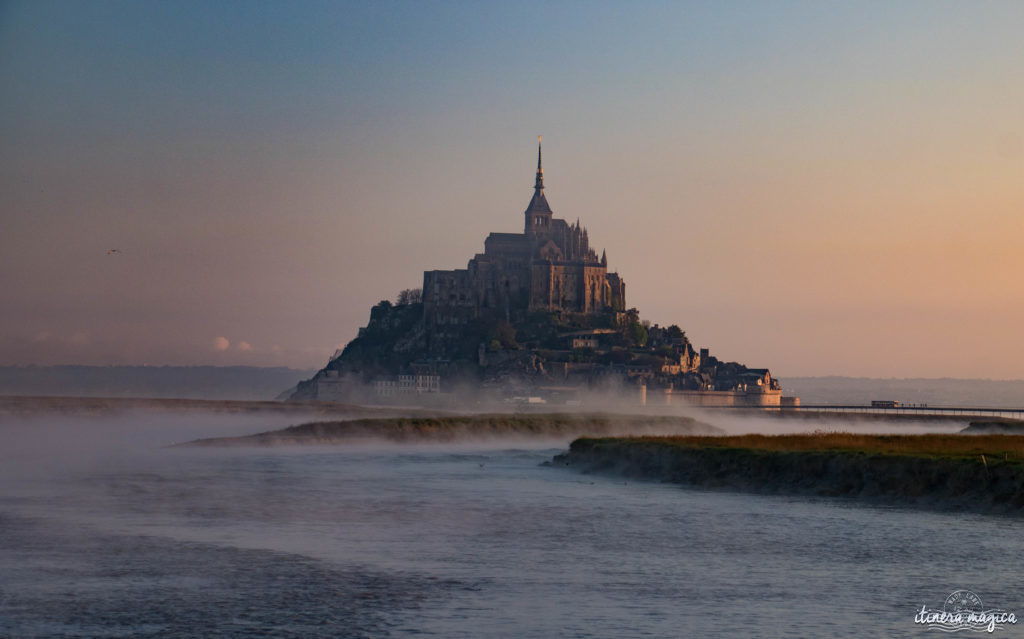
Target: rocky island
x=537, y=317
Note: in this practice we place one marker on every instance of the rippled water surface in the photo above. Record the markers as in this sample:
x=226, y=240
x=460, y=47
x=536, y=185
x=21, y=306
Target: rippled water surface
x=103, y=533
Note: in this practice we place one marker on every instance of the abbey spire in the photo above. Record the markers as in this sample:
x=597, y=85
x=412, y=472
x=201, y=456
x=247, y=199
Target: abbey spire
x=538, y=213
x=539, y=184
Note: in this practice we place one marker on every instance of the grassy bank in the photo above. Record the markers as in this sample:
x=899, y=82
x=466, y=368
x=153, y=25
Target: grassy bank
x=993, y=446
x=982, y=473
x=466, y=428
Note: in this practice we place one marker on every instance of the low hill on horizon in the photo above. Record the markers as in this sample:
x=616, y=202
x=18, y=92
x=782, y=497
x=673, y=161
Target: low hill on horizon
x=268, y=383
x=184, y=382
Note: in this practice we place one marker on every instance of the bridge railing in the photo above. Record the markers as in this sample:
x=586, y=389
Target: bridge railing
x=966, y=411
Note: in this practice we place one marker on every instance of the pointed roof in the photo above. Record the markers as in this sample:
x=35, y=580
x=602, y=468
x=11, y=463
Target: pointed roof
x=539, y=203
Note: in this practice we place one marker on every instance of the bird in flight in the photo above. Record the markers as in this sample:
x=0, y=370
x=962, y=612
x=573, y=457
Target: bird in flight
x=112, y=251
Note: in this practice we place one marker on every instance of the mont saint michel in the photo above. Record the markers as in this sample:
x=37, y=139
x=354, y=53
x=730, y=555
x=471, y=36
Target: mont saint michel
x=536, y=318
x=532, y=396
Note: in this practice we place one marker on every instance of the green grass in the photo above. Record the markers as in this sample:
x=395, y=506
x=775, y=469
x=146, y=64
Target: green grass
x=1008, y=448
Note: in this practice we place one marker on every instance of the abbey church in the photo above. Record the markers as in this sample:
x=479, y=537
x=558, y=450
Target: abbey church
x=537, y=315
x=550, y=266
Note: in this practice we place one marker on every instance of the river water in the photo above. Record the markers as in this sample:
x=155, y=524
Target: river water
x=103, y=533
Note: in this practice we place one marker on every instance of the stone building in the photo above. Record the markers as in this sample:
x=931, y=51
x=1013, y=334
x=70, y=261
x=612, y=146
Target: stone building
x=396, y=385
x=550, y=266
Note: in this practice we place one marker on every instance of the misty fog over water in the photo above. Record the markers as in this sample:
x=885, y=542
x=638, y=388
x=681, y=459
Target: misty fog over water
x=105, y=532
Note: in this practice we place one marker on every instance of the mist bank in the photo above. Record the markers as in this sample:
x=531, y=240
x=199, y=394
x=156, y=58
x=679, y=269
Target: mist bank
x=995, y=426
x=467, y=428
x=983, y=473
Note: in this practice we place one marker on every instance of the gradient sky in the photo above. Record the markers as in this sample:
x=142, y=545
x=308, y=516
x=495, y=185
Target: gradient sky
x=815, y=187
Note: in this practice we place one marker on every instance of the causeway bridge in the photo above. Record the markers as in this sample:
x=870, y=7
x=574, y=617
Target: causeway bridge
x=922, y=410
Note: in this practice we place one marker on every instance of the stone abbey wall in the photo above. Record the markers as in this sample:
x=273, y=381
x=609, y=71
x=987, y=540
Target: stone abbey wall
x=549, y=266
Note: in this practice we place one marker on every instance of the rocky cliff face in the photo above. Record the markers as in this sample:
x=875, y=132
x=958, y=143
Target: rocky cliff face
x=977, y=485
x=572, y=350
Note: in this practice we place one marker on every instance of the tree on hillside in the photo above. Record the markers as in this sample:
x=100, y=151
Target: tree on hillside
x=503, y=336
x=674, y=332
x=636, y=333
x=410, y=296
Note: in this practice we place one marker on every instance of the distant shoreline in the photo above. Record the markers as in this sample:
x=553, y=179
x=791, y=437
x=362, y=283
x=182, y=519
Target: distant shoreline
x=973, y=473
x=192, y=382
x=34, y=404
x=42, y=404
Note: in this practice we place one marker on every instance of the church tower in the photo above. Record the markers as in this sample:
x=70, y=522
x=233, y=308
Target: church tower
x=538, y=213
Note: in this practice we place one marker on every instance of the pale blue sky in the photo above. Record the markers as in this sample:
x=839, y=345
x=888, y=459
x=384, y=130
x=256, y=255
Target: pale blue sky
x=817, y=187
